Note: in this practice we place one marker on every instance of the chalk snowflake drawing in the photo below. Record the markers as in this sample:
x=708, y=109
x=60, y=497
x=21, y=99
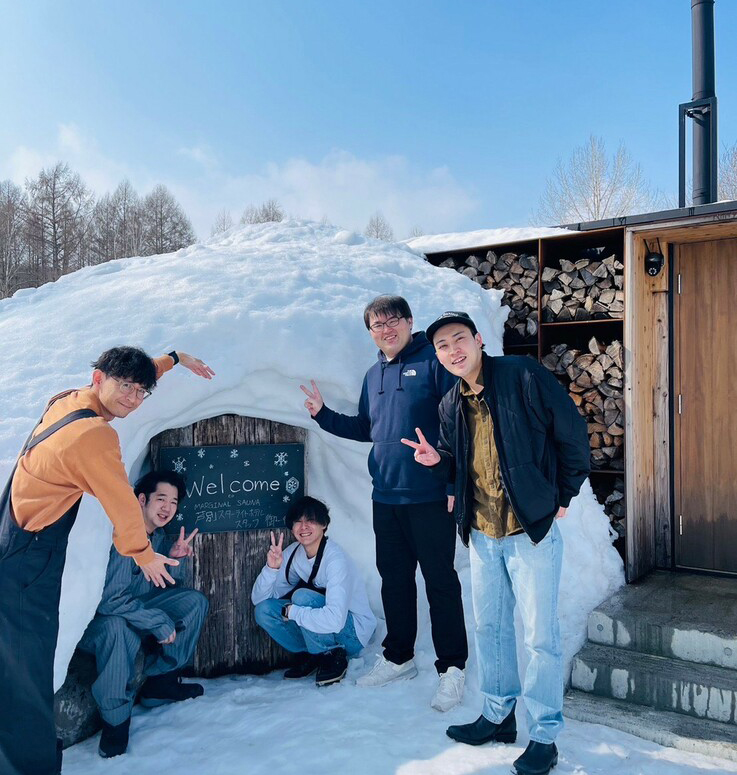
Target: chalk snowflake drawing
x=280, y=459
x=200, y=453
x=234, y=453
x=292, y=485
x=180, y=517
x=286, y=499
x=211, y=465
x=246, y=463
x=179, y=465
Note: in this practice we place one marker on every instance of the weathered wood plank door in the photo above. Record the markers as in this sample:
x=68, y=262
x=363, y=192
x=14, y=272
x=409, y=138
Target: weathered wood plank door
x=706, y=406
x=226, y=564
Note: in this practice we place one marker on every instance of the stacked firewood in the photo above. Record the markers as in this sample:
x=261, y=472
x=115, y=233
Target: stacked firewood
x=587, y=289
x=594, y=381
x=514, y=274
x=612, y=498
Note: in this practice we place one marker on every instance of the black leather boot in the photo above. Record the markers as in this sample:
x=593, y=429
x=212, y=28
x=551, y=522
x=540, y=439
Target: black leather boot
x=114, y=739
x=484, y=731
x=538, y=759
x=167, y=687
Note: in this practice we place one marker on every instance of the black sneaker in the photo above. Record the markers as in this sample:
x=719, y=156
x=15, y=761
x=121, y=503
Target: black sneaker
x=333, y=666
x=168, y=687
x=306, y=665
x=114, y=739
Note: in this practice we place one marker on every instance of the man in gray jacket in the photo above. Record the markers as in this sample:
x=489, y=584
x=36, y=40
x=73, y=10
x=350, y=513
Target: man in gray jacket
x=134, y=613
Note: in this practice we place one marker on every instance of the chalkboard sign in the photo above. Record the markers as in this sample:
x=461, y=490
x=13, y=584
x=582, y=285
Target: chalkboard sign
x=242, y=487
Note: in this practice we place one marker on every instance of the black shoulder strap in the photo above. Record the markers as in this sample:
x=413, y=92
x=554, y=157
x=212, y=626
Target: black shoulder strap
x=318, y=559
x=77, y=414
x=315, y=567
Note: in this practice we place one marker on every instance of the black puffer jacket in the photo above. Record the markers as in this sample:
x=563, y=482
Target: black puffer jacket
x=540, y=437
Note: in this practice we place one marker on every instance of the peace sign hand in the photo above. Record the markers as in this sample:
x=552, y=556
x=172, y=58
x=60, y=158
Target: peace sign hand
x=425, y=453
x=183, y=546
x=314, y=400
x=274, y=556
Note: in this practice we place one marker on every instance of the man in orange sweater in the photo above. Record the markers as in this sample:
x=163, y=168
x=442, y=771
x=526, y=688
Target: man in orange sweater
x=73, y=450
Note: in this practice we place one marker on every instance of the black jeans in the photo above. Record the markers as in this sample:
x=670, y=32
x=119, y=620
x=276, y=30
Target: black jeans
x=424, y=533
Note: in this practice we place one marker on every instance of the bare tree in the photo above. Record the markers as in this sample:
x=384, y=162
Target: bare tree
x=12, y=206
x=128, y=220
x=223, y=222
x=416, y=232
x=166, y=227
x=379, y=228
x=59, y=212
x=269, y=212
x=728, y=174
x=590, y=186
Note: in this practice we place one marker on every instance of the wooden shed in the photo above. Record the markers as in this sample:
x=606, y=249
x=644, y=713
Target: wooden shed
x=676, y=454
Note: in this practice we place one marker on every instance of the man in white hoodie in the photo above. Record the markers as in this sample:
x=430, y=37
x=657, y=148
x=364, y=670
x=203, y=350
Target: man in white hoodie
x=310, y=598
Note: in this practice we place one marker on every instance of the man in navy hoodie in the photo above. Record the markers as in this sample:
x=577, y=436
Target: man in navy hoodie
x=411, y=515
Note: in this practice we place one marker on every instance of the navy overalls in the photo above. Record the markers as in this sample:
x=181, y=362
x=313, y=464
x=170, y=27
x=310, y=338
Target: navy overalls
x=31, y=567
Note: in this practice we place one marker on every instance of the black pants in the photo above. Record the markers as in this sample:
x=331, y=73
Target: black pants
x=406, y=535
x=31, y=567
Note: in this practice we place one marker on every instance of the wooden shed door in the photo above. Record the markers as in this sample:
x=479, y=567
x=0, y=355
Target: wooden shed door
x=706, y=414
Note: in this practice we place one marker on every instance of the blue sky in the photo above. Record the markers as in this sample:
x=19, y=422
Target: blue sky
x=444, y=115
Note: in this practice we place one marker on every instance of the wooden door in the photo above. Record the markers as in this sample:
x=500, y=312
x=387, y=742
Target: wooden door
x=706, y=406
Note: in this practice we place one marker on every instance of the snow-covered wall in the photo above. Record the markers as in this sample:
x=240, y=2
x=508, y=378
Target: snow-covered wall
x=267, y=307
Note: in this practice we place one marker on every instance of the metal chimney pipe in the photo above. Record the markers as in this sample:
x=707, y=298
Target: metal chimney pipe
x=704, y=126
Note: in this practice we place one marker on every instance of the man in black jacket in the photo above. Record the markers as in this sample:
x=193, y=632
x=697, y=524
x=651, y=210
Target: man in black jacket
x=410, y=505
x=518, y=451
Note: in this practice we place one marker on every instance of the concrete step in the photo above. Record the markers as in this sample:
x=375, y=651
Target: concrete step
x=702, y=691
x=684, y=616
x=701, y=736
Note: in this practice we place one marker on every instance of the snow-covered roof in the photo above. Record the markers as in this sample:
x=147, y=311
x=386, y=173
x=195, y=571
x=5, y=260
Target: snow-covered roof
x=439, y=243
x=268, y=307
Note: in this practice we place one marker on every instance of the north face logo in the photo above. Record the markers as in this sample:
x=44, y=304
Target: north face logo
x=409, y=373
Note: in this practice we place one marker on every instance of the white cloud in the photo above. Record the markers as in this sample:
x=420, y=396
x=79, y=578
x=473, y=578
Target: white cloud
x=348, y=190
x=201, y=154
x=341, y=187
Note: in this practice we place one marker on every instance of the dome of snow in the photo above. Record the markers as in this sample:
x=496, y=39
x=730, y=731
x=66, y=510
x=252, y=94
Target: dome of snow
x=268, y=307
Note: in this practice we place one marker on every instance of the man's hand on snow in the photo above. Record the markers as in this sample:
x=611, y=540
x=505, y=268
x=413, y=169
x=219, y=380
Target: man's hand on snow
x=425, y=454
x=195, y=365
x=561, y=513
x=274, y=556
x=314, y=400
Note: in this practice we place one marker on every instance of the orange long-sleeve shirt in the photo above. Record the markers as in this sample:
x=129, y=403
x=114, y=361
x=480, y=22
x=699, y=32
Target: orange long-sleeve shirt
x=82, y=457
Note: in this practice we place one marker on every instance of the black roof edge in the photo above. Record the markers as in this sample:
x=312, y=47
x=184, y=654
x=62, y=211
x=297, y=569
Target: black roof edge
x=715, y=208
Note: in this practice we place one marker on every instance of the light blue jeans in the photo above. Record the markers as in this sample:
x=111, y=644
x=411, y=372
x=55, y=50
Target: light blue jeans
x=295, y=638
x=513, y=570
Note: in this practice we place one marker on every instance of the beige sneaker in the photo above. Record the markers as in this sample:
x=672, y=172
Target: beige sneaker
x=450, y=689
x=385, y=672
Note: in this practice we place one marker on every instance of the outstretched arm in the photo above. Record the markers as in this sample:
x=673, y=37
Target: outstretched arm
x=355, y=427
x=165, y=363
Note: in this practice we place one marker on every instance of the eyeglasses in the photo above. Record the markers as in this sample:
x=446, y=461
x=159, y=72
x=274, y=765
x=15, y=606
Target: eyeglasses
x=388, y=323
x=129, y=388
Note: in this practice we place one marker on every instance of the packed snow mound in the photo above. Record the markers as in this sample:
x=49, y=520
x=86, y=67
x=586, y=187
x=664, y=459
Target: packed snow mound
x=438, y=243
x=268, y=307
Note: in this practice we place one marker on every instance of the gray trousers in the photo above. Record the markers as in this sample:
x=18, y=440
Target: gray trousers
x=115, y=646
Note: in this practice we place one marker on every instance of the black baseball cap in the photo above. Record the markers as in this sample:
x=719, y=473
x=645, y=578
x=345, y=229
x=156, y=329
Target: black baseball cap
x=450, y=317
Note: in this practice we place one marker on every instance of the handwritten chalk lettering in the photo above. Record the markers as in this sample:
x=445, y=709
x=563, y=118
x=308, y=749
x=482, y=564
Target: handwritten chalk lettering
x=224, y=494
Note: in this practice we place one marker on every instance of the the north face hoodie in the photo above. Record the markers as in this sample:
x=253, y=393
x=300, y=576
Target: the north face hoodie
x=397, y=396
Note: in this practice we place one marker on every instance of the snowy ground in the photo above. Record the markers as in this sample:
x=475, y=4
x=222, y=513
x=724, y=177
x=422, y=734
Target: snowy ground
x=268, y=726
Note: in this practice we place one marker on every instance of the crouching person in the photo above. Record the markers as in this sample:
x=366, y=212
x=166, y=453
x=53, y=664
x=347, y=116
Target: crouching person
x=134, y=613
x=310, y=599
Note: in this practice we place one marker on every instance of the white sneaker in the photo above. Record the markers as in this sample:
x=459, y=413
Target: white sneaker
x=385, y=672
x=450, y=689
